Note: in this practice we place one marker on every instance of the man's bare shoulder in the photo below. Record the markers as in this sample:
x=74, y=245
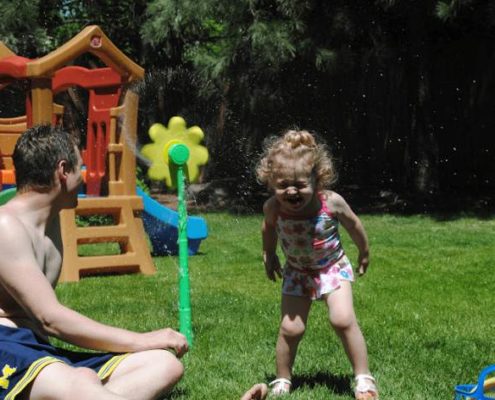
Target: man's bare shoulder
x=8, y=219
x=12, y=229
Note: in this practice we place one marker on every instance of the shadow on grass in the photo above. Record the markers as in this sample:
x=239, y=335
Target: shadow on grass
x=337, y=384
x=176, y=393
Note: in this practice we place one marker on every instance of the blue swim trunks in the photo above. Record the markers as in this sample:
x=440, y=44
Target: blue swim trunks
x=23, y=355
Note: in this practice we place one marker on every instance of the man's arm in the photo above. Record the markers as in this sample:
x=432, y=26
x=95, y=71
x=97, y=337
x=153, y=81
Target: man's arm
x=23, y=279
x=270, y=239
x=353, y=225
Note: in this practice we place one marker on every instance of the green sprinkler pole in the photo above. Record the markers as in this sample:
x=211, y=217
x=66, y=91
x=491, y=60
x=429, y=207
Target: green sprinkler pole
x=178, y=155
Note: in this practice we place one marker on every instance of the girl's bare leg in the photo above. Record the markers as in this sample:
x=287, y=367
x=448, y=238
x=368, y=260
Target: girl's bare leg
x=344, y=322
x=295, y=312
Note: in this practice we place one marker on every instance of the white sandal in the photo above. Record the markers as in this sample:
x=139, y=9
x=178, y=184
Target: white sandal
x=279, y=387
x=365, y=387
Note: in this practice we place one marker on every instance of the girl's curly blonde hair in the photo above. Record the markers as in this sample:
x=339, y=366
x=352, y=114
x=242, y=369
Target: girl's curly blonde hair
x=296, y=146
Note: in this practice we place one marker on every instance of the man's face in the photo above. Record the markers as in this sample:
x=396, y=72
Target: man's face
x=73, y=182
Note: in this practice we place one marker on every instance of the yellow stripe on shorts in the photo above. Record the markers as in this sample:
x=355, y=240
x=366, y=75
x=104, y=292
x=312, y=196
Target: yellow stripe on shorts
x=32, y=372
x=107, y=368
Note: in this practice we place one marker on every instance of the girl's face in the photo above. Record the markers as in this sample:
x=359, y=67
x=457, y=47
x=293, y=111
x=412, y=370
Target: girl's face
x=294, y=189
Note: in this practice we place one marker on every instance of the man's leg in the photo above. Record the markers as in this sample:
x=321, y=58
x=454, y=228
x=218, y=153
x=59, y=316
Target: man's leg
x=145, y=375
x=60, y=381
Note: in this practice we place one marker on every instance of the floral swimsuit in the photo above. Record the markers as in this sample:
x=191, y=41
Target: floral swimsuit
x=315, y=260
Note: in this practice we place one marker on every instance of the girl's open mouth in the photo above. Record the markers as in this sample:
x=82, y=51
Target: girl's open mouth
x=294, y=200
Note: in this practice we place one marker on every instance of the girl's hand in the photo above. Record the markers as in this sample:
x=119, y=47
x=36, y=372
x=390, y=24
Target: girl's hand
x=272, y=266
x=363, y=262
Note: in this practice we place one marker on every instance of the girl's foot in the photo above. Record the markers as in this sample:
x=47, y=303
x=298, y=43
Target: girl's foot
x=365, y=388
x=280, y=387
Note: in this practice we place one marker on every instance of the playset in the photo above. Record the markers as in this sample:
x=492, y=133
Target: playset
x=110, y=163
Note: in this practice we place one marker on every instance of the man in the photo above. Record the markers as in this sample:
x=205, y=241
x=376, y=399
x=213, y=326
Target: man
x=47, y=163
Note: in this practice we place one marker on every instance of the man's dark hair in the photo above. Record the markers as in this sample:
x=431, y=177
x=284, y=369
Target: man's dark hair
x=37, y=153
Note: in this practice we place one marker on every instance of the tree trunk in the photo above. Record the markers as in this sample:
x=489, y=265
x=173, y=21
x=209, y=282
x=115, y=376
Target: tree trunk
x=421, y=157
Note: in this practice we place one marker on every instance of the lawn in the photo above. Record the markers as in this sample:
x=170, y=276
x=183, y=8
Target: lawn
x=425, y=307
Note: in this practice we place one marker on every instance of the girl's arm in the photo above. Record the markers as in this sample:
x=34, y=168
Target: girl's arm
x=353, y=225
x=270, y=239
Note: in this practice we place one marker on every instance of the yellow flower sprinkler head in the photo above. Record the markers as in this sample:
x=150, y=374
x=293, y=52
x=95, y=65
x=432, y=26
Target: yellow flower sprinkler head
x=163, y=139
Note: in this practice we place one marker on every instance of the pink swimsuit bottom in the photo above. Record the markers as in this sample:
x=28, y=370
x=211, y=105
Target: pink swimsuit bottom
x=316, y=283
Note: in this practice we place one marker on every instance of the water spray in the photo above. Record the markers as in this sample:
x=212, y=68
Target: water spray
x=176, y=154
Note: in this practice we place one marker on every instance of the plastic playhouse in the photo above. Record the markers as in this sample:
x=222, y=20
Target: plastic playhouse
x=110, y=163
x=483, y=390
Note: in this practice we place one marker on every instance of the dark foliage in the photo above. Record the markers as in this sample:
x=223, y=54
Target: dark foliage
x=402, y=91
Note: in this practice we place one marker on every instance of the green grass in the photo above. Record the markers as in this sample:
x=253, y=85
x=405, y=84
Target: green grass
x=425, y=307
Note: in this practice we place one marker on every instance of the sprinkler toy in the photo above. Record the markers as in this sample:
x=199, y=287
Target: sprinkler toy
x=176, y=155
x=165, y=137
x=160, y=222
x=483, y=390
x=179, y=155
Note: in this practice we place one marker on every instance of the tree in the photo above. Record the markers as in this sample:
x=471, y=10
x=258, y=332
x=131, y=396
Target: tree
x=25, y=26
x=400, y=90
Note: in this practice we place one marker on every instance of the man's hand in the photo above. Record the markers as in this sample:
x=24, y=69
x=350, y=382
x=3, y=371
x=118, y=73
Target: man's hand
x=167, y=338
x=272, y=266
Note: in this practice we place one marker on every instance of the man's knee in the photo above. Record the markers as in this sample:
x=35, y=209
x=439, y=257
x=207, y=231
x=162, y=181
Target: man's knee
x=167, y=365
x=160, y=366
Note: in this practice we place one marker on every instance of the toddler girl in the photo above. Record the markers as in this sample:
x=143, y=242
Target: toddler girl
x=305, y=217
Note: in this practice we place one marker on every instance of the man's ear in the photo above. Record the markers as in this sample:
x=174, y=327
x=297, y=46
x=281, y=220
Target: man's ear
x=62, y=170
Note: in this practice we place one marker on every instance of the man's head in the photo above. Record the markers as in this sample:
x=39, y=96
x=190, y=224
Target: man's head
x=38, y=154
